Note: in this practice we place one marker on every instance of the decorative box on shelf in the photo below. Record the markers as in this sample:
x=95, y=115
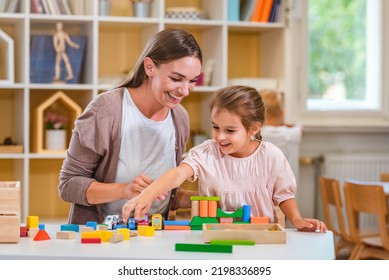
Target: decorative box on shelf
x=260, y=233
x=11, y=149
x=185, y=13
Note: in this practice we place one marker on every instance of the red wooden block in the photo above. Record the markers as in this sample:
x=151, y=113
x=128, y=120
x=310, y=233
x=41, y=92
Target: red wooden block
x=42, y=235
x=90, y=240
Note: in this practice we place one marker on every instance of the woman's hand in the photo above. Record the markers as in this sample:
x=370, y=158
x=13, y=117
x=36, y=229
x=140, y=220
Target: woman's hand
x=310, y=225
x=136, y=186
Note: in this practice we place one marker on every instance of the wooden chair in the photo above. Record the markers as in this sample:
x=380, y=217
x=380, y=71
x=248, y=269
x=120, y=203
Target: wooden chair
x=331, y=196
x=365, y=198
x=384, y=177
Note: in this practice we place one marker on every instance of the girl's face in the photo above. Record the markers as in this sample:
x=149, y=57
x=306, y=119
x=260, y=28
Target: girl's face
x=231, y=136
x=171, y=82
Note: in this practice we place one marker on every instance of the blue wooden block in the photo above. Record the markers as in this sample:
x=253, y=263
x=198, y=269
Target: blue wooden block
x=70, y=227
x=177, y=223
x=91, y=224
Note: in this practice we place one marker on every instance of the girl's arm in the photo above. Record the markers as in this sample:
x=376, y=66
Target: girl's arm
x=168, y=181
x=290, y=209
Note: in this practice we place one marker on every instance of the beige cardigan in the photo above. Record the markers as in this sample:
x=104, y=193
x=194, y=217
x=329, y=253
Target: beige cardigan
x=94, y=151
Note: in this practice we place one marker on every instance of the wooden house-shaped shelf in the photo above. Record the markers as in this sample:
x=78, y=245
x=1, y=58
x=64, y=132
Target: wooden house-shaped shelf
x=61, y=104
x=6, y=59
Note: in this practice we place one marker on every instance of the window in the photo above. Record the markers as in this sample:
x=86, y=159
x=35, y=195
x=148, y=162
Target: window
x=344, y=56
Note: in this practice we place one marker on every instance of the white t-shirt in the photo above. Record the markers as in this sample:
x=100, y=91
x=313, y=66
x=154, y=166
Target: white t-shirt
x=147, y=147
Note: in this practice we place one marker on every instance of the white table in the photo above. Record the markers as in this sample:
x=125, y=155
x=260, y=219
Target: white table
x=298, y=246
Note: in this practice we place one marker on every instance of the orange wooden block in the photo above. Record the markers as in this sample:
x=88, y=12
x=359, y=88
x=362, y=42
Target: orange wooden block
x=176, y=227
x=41, y=235
x=212, y=206
x=259, y=220
x=203, y=208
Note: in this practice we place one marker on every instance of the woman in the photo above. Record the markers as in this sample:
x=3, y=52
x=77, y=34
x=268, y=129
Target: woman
x=132, y=134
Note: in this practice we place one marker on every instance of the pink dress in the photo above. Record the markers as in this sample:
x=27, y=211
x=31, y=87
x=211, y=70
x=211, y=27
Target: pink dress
x=262, y=180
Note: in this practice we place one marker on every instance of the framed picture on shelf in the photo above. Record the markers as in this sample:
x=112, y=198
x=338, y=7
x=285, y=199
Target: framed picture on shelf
x=44, y=60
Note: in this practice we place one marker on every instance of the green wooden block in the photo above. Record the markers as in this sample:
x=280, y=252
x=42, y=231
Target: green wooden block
x=187, y=247
x=237, y=214
x=208, y=198
x=232, y=242
x=199, y=221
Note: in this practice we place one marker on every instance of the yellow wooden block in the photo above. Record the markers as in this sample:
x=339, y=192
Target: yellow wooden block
x=9, y=229
x=91, y=234
x=146, y=230
x=105, y=235
x=125, y=232
x=32, y=222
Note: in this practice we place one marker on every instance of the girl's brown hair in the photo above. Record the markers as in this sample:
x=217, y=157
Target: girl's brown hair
x=243, y=101
x=164, y=47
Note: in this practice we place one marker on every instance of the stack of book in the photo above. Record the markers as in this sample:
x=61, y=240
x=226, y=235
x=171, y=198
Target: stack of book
x=260, y=10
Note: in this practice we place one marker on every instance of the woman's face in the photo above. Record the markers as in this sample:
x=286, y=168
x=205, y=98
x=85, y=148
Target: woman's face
x=171, y=82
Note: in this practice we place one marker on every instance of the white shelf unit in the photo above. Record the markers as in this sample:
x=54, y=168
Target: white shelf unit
x=241, y=49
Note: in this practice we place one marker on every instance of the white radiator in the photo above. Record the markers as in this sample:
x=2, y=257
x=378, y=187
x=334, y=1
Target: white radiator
x=358, y=166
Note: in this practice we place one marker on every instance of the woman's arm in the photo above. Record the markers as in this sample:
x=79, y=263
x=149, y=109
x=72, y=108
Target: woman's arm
x=168, y=181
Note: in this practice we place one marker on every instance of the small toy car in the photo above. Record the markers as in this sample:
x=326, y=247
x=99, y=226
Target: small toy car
x=111, y=221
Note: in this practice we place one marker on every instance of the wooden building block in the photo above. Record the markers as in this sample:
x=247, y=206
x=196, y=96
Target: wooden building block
x=105, y=235
x=91, y=234
x=72, y=227
x=206, y=198
x=177, y=223
x=10, y=198
x=167, y=227
x=125, y=232
x=212, y=207
x=66, y=235
x=9, y=229
x=116, y=237
x=203, y=248
x=259, y=220
x=102, y=227
x=41, y=235
x=232, y=242
x=32, y=232
x=90, y=240
x=32, y=222
x=146, y=230
x=84, y=228
x=194, y=211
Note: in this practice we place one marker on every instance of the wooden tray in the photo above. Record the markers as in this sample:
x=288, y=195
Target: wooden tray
x=260, y=233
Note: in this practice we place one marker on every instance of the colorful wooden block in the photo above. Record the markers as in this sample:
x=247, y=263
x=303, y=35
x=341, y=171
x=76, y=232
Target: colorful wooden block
x=232, y=242
x=32, y=222
x=41, y=235
x=91, y=234
x=72, y=227
x=187, y=247
x=145, y=230
x=91, y=224
x=90, y=240
x=259, y=220
x=125, y=232
x=237, y=214
x=207, y=198
x=105, y=235
x=32, y=232
x=176, y=227
x=177, y=223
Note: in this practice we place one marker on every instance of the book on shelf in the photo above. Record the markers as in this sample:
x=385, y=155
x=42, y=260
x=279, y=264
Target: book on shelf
x=233, y=10
x=259, y=7
x=274, y=11
x=43, y=56
x=265, y=14
x=247, y=9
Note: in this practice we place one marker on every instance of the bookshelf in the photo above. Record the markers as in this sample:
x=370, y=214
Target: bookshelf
x=114, y=41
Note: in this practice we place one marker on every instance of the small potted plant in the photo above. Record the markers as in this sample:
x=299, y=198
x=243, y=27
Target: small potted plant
x=55, y=131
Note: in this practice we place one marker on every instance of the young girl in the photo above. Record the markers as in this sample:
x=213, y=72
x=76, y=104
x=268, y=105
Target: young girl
x=235, y=165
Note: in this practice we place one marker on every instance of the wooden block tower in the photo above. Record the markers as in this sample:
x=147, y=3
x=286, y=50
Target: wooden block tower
x=9, y=212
